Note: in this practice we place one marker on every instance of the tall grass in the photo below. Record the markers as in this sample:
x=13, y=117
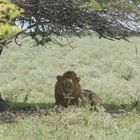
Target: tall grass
x=109, y=68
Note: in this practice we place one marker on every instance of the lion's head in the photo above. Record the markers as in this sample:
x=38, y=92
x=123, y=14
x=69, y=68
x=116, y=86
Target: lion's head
x=67, y=86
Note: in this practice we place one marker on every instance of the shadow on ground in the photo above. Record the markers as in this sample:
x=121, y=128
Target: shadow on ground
x=14, y=109
x=110, y=108
x=29, y=106
x=122, y=108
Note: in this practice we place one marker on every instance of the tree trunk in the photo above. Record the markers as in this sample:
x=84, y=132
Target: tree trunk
x=3, y=105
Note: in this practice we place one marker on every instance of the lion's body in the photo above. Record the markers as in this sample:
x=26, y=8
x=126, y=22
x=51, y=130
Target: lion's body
x=88, y=96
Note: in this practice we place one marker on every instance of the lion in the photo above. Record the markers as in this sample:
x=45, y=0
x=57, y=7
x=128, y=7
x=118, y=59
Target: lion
x=67, y=89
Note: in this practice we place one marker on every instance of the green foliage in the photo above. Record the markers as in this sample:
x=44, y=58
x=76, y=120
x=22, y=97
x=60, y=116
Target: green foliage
x=101, y=4
x=91, y=4
x=136, y=1
x=8, y=12
x=124, y=5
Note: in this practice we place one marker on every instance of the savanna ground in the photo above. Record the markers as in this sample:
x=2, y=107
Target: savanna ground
x=109, y=68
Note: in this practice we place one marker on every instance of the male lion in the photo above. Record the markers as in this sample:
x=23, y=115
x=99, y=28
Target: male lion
x=67, y=89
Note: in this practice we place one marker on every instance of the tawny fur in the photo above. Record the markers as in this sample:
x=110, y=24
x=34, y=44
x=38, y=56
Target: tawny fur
x=68, y=91
x=90, y=97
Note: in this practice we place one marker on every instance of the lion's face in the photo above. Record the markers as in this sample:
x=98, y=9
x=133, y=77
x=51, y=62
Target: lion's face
x=67, y=86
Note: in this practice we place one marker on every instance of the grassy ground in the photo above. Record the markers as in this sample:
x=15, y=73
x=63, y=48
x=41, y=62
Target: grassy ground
x=109, y=68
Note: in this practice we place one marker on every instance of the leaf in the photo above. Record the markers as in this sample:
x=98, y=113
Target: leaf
x=8, y=12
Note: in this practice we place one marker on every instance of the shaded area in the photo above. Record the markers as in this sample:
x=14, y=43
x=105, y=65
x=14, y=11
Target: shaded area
x=29, y=106
x=11, y=110
x=110, y=108
x=122, y=108
x=3, y=104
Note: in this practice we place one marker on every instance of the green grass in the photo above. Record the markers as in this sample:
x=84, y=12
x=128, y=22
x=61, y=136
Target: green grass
x=109, y=68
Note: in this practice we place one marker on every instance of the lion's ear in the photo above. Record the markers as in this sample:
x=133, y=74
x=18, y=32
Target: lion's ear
x=59, y=77
x=78, y=79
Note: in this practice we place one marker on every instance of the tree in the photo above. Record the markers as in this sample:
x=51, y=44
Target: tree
x=44, y=18
x=8, y=12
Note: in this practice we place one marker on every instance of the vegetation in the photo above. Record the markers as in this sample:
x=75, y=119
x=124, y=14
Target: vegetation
x=111, y=69
x=8, y=12
x=47, y=20
x=28, y=74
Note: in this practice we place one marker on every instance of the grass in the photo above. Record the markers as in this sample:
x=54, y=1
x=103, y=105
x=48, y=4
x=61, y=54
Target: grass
x=109, y=68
